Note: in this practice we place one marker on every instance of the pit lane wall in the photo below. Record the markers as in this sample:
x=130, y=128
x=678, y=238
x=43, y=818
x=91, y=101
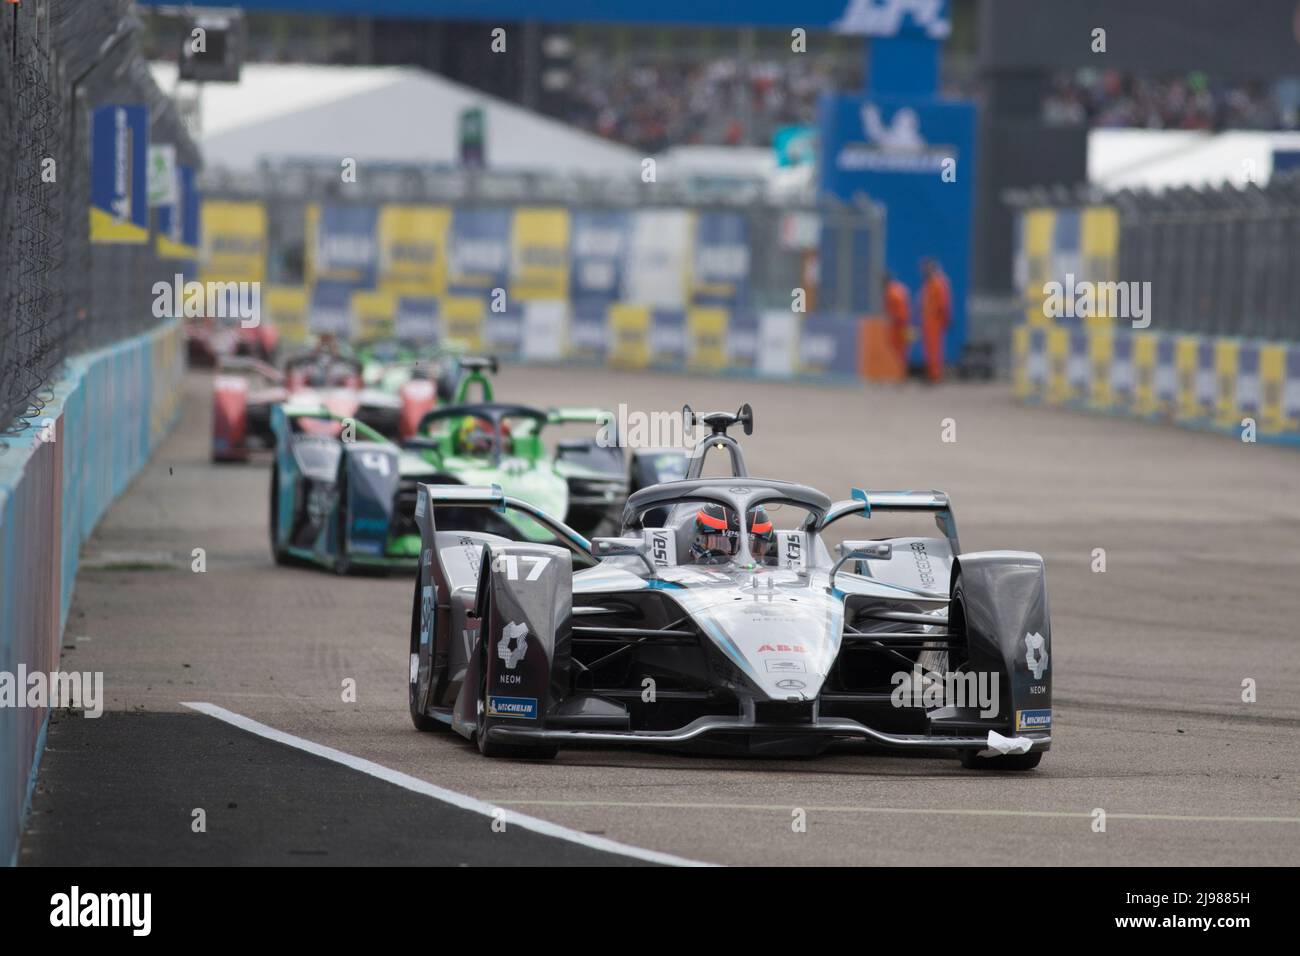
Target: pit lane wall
x=1220, y=383
x=57, y=477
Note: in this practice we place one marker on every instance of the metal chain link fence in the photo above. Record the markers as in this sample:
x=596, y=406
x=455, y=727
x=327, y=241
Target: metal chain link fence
x=1223, y=261
x=59, y=294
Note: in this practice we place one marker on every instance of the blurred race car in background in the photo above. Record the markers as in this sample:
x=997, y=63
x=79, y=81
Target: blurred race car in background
x=246, y=390
x=731, y=634
x=583, y=480
x=421, y=376
x=208, y=341
x=342, y=494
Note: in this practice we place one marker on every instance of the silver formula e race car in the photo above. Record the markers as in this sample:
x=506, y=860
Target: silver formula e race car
x=698, y=629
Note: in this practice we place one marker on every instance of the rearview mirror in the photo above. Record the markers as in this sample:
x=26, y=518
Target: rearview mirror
x=866, y=550
x=861, y=551
x=623, y=547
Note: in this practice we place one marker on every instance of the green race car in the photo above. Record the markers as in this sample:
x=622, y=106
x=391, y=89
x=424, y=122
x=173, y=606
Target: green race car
x=486, y=442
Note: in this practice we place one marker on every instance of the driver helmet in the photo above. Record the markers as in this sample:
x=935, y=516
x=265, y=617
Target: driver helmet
x=474, y=436
x=717, y=535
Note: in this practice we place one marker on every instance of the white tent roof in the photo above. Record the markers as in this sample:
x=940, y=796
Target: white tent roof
x=379, y=114
x=1160, y=159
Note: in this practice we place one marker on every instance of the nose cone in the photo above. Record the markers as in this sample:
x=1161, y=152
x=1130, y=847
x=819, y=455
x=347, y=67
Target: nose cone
x=786, y=645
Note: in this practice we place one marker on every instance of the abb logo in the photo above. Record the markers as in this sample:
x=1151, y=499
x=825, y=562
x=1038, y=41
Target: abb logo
x=782, y=649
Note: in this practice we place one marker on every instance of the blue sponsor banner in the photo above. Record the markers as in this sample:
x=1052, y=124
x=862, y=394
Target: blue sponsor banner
x=178, y=227
x=119, y=151
x=1067, y=257
x=598, y=247
x=588, y=335
x=417, y=319
x=1247, y=396
x=1077, y=366
x=1207, y=384
x=347, y=245
x=479, y=251
x=1166, y=380
x=1291, y=386
x=916, y=157
x=331, y=309
x=668, y=337
x=191, y=203
x=1121, y=370
x=721, y=266
x=828, y=345
x=742, y=341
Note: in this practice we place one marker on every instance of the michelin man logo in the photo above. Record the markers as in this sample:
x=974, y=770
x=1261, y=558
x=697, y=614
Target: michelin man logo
x=513, y=644
x=902, y=133
x=1036, y=655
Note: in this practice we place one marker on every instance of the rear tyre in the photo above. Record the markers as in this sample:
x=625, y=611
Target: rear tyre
x=421, y=720
x=342, y=561
x=280, y=554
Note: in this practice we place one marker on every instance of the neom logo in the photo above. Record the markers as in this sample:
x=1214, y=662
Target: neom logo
x=102, y=909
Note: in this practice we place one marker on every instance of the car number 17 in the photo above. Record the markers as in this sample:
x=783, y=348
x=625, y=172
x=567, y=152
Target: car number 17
x=508, y=564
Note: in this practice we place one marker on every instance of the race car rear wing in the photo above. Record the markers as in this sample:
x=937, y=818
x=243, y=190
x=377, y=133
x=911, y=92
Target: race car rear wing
x=866, y=503
x=246, y=363
x=581, y=416
x=493, y=498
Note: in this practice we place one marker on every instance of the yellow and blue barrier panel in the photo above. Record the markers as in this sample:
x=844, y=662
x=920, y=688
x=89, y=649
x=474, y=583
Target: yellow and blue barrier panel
x=1197, y=381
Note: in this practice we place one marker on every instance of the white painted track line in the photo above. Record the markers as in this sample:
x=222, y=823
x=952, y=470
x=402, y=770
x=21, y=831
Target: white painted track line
x=451, y=797
x=918, y=811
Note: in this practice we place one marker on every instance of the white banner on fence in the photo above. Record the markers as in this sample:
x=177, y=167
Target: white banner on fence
x=659, y=257
x=545, y=330
x=778, y=342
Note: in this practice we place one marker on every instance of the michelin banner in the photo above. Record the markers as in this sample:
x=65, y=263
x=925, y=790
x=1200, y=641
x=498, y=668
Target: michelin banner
x=119, y=177
x=178, y=220
x=413, y=249
x=598, y=245
x=343, y=245
x=479, y=251
x=721, y=268
x=539, y=254
x=659, y=258
x=916, y=157
x=1245, y=388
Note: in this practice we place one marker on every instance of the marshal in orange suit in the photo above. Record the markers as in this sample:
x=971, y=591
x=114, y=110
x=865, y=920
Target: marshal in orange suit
x=936, y=314
x=898, y=309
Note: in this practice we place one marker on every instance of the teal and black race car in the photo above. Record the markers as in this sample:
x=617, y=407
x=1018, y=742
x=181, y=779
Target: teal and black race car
x=342, y=495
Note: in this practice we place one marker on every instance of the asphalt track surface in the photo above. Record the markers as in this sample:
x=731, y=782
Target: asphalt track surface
x=1201, y=591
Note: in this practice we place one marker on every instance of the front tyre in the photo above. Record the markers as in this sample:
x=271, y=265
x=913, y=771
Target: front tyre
x=342, y=560
x=421, y=720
